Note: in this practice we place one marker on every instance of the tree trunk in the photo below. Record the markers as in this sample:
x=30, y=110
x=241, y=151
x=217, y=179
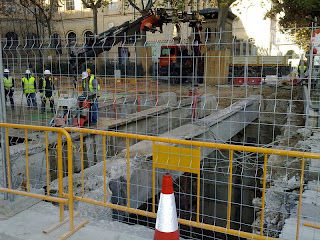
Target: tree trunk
x=49, y=27
x=95, y=20
x=221, y=24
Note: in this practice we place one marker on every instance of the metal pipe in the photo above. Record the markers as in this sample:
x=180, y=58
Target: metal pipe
x=70, y=181
x=34, y=195
x=307, y=224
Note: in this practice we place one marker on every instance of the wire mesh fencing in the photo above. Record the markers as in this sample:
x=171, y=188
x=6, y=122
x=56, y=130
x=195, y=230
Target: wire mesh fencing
x=215, y=88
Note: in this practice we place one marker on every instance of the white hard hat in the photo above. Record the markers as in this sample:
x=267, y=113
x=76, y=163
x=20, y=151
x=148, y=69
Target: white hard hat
x=46, y=72
x=28, y=71
x=84, y=75
x=6, y=70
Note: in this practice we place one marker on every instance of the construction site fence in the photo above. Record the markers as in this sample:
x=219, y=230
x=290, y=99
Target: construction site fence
x=175, y=155
x=52, y=143
x=132, y=57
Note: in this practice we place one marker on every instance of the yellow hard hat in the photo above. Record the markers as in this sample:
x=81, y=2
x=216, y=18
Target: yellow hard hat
x=88, y=70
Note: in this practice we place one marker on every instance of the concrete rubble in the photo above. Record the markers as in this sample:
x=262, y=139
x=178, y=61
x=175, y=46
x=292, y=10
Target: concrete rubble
x=283, y=191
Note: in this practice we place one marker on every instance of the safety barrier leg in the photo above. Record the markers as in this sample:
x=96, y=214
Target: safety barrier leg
x=70, y=219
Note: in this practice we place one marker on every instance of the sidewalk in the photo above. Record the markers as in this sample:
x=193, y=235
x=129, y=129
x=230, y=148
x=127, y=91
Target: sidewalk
x=28, y=225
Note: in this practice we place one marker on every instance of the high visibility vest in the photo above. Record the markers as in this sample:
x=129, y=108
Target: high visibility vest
x=304, y=68
x=29, y=85
x=8, y=82
x=44, y=83
x=90, y=83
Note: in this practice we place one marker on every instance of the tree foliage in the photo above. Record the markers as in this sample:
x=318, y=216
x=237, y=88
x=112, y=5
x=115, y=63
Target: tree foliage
x=180, y=5
x=42, y=11
x=296, y=17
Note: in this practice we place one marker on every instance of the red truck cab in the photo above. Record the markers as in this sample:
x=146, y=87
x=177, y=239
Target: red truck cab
x=176, y=63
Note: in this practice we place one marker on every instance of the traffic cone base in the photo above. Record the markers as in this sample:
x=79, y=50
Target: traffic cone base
x=166, y=235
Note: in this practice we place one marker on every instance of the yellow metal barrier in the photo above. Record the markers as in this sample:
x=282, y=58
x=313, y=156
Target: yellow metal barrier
x=167, y=157
x=182, y=159
x=307, y=224
x=61, y=200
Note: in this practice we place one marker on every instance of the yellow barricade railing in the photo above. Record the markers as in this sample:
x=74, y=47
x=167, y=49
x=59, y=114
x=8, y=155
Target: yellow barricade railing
x=164, y=156
x=167, y=157
x=60, y=199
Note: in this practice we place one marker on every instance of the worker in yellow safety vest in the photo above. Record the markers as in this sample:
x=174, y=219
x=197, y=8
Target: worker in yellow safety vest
x=8, y=83
x=91, y=88
x=89, y=72
x=29, y=88
x=46, y=88
x=302, y=70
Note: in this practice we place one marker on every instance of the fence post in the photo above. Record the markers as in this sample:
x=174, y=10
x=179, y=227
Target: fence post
x=3, y=119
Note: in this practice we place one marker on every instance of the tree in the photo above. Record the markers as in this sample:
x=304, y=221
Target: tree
x=95, y=5
x=296, y=17
x=42, y=11
x=144, y=9
x=223, y=6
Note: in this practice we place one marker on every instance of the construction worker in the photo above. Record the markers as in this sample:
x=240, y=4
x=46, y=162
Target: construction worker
x=8, y=83
x=89, y=72
x=90, y=88
x=46, y=87
x=29, y=88
x=302, y=72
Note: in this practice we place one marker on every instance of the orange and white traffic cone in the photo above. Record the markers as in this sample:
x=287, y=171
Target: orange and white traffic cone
x=167, y=221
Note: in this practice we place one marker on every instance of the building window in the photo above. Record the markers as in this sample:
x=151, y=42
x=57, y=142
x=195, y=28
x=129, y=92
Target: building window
x=12, y=40
x=113, y=5
x=88, y=35
x=72, y=39
x=70, y=4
